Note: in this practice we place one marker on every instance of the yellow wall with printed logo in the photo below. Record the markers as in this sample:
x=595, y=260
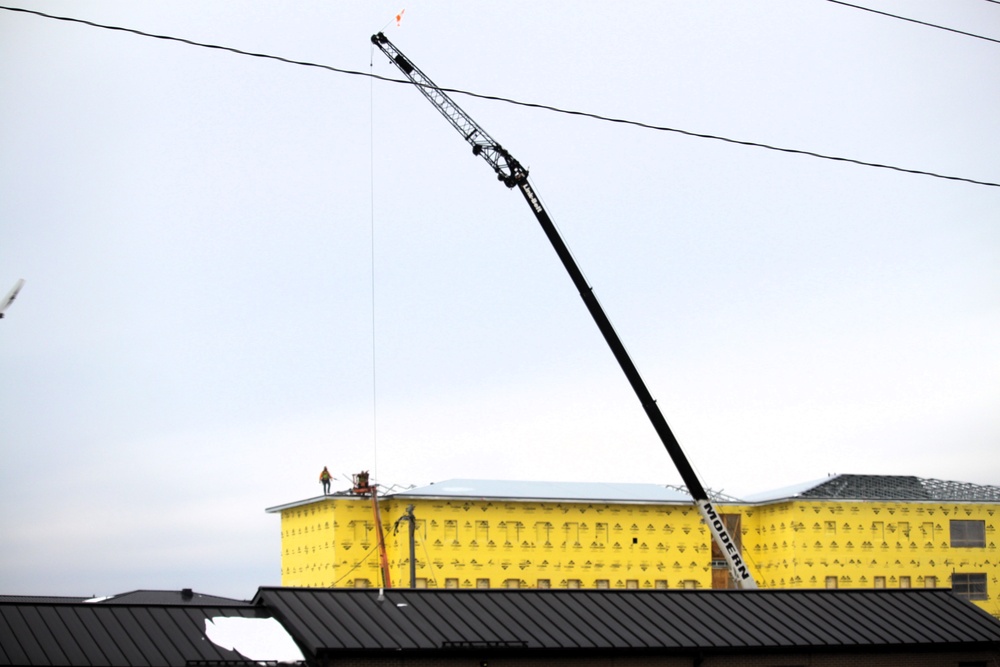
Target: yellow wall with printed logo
x=867, y=544
x=331, y=542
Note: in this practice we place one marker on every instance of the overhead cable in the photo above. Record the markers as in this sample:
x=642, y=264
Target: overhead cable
x=494, y=98
x=190, y=42
x=904, y=18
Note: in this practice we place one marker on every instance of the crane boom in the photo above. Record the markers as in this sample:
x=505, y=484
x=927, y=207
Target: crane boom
x=512, y=174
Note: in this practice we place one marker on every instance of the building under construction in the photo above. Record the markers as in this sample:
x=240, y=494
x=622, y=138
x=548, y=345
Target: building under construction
x=845, y=531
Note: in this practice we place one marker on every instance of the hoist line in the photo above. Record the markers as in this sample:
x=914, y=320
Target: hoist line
x=371, y=208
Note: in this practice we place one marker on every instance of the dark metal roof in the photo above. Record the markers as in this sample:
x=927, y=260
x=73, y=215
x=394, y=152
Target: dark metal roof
x=329, y=621
x=69, y=634
x=38, y=599
x=184, y=596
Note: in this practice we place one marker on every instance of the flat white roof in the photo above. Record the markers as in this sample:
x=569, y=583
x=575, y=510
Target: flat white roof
x=550, y=491
x=841, y=487
x=495, y=489
x=307, y=501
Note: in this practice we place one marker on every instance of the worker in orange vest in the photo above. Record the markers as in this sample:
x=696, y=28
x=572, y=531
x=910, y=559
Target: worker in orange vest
x=324, y=477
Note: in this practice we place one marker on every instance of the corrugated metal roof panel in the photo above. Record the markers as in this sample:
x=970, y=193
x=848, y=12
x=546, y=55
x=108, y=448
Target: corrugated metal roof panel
x=37, y=599
x=69, y=634
x=428, y=619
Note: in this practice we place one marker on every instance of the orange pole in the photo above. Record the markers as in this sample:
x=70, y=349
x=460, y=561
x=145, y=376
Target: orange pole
x=383, y=556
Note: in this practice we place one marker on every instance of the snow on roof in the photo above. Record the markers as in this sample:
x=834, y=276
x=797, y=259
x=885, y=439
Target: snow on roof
x=256, y=639
x=554, y=491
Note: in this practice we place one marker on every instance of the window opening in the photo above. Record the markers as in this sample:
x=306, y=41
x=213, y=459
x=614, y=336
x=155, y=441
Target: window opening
x=968, y=533
x=969, y=586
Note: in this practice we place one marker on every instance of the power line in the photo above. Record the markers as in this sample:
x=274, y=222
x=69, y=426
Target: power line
x=531, y=105
x=904, y=18
x=740, y=142
x=190, y=42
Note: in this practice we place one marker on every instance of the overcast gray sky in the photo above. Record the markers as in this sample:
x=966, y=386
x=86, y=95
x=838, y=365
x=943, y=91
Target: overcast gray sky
x=240, y=270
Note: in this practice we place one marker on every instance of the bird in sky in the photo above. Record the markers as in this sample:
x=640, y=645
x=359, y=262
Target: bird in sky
x=11, y=295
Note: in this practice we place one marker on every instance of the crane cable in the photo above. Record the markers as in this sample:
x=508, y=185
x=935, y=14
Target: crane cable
x=546, y=107
x=371, y=180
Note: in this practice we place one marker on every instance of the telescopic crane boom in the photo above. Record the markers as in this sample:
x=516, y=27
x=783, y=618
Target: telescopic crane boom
x=512, y=174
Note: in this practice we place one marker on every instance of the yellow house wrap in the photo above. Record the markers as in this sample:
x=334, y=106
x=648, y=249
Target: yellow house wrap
x=847, y=531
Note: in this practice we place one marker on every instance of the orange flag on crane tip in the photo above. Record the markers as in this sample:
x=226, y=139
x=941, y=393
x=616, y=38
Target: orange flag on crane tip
x=399, y=17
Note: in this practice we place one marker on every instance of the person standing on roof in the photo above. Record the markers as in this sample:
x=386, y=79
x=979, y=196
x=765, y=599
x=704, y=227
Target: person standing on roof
x=324, y=477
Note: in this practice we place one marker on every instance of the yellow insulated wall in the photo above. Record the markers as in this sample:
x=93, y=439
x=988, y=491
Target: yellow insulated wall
x=866, y=544
x=331, y=542
x=482, y=543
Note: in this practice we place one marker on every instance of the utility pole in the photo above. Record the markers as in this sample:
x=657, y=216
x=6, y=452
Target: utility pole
x=412, y=520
